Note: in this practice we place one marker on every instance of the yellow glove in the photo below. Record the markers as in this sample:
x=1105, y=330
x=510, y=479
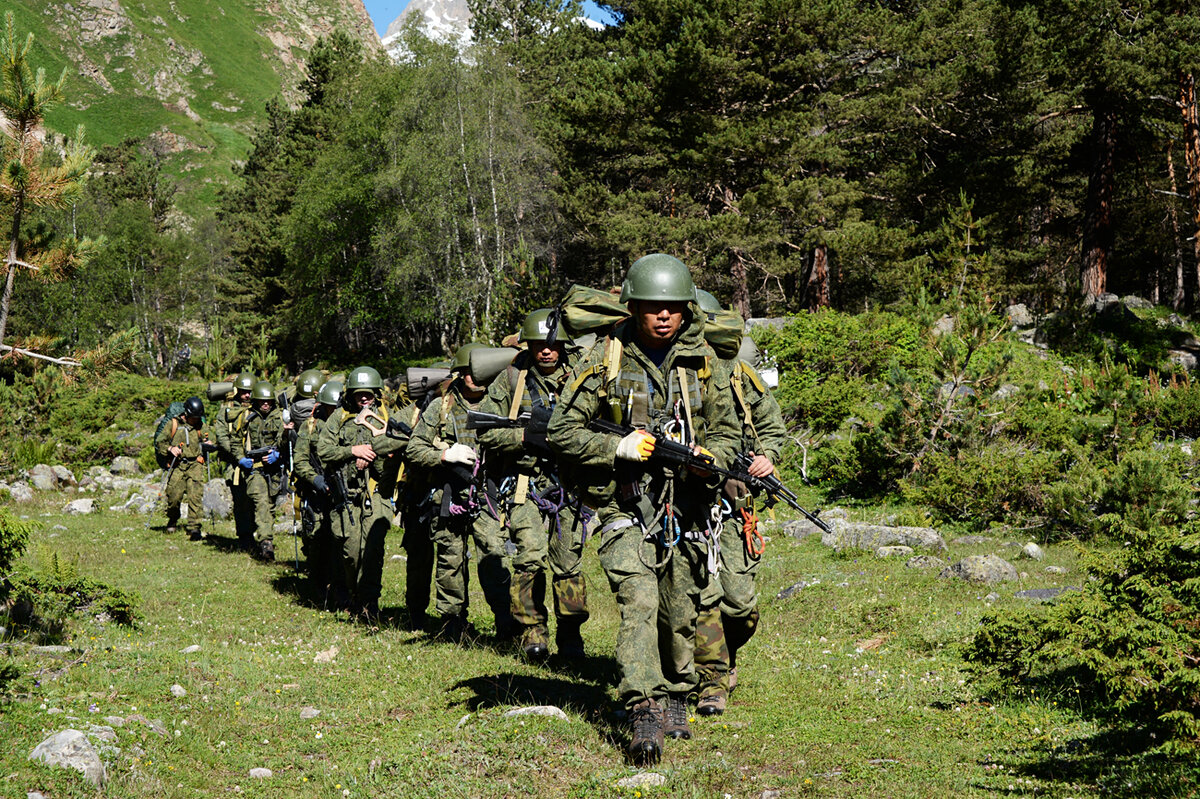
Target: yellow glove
x=636, y=446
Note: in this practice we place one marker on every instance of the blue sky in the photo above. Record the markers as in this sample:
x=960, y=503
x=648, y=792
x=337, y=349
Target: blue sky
x=384, y=11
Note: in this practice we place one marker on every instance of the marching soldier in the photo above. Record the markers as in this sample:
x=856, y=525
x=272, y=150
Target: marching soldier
x=259, y=453
x=655, y=379
x=544, y=524
x=182, y=445
x=446, y=449
x=321, y=552
x=728, y=614
x=226, y=429
x=361, y=457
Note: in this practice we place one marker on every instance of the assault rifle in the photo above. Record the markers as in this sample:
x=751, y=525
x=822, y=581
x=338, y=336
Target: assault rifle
x=536, y=421
x=667, y=452
x=397, y=429
x=774, y=488
x=258, y=453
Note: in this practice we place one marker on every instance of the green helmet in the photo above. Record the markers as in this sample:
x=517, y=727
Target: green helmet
x=364, y=378
x=462, y=358
x=262, y=390
x=330, y=392
x=308, y=382
x=708, y=303
x=536, y=327
x=658, y=276
x=244, y=382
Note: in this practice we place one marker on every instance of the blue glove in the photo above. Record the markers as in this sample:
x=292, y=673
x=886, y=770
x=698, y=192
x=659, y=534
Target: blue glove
x=272, y=456
x=246, y=463
x=320, y=485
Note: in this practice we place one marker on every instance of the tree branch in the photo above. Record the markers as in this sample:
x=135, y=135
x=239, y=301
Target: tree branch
x=32, y=354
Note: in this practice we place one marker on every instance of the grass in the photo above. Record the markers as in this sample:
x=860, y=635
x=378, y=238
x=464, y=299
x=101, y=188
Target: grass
x=852, y=687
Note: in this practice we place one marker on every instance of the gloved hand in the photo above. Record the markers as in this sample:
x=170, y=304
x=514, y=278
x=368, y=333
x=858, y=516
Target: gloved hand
x=536, y=439
x=700, y=470
x=319, y=484
x=272, y=456
x=636, y=446
x=459, y=453
x=246, y=463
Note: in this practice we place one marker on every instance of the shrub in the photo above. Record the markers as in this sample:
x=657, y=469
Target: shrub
x=14, y=538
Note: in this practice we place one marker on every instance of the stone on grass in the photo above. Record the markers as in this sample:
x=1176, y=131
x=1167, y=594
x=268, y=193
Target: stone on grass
x=327, y=656
x=123, y=464
x=217, y=500
x=35, y=795
x=20, y=492
x=970, y=540
x=986, y=569
x=72, y=749
x=81, y=507
x=178, y=691
x=538, y=710
x=309, y=712
x=156, y=726
x=894, y=552
x=58, y=650
x=42, y=477
x=925, y=562
x=261, y=773
x=792, y=589
x=114, y=721
x=992, y=597
x=187, y=650
x=855, y=535
x=646, y=779
x=1044, y=594
x=800, y=529
x=1032, y=551
x=1055, y=570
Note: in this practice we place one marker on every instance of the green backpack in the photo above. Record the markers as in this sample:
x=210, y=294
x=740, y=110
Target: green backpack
x=174, y=410
x=723, y=332
x=587, y=310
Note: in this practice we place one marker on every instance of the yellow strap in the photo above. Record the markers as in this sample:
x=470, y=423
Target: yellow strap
x=518, y=394
x=584, y=375
x=687, y=399
x=740, y=394
x=522, y=491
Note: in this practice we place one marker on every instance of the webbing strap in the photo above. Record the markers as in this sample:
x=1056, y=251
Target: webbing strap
x=687, y=401
x=514, y=410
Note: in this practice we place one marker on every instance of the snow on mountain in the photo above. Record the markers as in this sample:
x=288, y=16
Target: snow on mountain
x=445, y=20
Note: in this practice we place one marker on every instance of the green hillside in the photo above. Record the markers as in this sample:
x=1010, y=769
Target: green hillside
x=192, y=75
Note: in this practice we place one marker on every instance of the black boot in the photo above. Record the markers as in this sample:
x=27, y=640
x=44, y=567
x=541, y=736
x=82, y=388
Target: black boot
x=646, y=745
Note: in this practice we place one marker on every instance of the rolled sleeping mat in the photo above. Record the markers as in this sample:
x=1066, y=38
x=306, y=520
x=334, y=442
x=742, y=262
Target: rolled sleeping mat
x=422, y=379
x=219, y=391
x=488, y=362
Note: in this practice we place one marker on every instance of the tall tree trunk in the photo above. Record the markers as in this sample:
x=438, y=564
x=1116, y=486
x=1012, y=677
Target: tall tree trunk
x=12, y=259
x=1098, y=212
x=741, y=291
x=818, y=279
x=1177, y=297
x=1191, y=140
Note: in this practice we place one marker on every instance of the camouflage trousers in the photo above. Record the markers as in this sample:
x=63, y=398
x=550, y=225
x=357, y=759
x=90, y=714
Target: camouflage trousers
x=728, y=610
x=322, y=551
x=260, y=498
x=450, y=536
x=540, y=547
x=418, y=544
x=658, y=609
x=361, y=526
x=186, y=483
x=243, y=508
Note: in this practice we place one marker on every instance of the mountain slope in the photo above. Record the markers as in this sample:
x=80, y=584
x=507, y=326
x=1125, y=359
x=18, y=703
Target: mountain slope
x=193, y=75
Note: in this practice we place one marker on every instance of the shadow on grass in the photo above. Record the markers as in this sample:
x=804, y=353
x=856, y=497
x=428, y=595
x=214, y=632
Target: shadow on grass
x=591, y=701
x=223, y=543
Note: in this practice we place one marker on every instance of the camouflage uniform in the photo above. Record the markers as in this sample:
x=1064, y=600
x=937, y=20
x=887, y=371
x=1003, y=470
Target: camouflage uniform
x=321, y=551
x=729, y=607
x=263, y=481
x=186, y=480
x=227, y=428
x=658, y=600
x=544, y=523
x=417, y=542
x=362, y=514
x=453, y=519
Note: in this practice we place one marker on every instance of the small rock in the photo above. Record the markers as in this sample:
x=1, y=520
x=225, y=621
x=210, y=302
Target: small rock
x=327, y=656
x=1044, y=594
x=190, y=649
x=769, y=794
x=801, y=529
x=981, y=569
x=309, y=713
x=646, y=779
x=1006, y=391
x=81, y=507
x=1032, y=551
x=260, y=773
x=42, y=478
x=122, y=464
x=538, y=710
x=1134, y=301
x=103, y=733
x=217, y=500
x=35, y=795
x=992, y=597
x=399, y=557
x=944, y=326
x=20, y=492
x=114, y=721
x=792, y=589
x=894, y=552
x=853, y=535
x=63, y=475
x=925, y=562
x=1055, y=570
x=178, y=691
x=72, y=749
x=156, y=726
x=970, y=540
x=1019, y=316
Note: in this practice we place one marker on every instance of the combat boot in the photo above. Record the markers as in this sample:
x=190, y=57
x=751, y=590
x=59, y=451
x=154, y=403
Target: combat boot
x=712, y=701
x=646, y=744
x=266, y=551
x=534, y=643
x=675, y=718
x=568, y=639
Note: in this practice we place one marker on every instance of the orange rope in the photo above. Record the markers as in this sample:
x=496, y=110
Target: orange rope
x=755, y=545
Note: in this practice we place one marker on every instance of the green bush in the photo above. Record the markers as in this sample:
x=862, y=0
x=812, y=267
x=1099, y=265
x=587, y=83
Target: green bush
x=14, y=538
x=58, y=590
x=1130, y=637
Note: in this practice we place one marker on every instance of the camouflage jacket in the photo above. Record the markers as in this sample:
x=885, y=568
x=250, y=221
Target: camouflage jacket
x=443, y=423
x=257, y=432
x=617, y=381
x=763, y=430
x=184, y=436
x=341, y=432
x=536, y=388
x=307, y=466
x=227, y=426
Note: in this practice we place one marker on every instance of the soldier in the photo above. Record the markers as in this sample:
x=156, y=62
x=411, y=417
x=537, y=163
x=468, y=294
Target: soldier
x=182, y=443
x=259, y=453
x=361, y=456
x=729, y=607
x=226, y=429
x=543, y=521
x=321, y=551
x=411, y=493
x=445, y=448
x=655, y=374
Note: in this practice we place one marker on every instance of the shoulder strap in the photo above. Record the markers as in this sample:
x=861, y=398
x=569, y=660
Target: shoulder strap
x=739, y=394
x=518, y=393
x=752, y=373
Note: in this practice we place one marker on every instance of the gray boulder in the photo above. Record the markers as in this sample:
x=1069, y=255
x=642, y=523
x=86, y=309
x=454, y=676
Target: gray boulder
x=1044, y=594
x=855, y=535
x=987, y=569
x=20, y=492
x=1033, y=551
x=72, y=749
x=1133, y=301
x=925, y=562
x=538, y=710
x=894, y=552
x=217, y=500
x=81, y=507
x=42, y=478
x=1183, y=358
x=123, y=464
x=1019, y=316
x=64, y=476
